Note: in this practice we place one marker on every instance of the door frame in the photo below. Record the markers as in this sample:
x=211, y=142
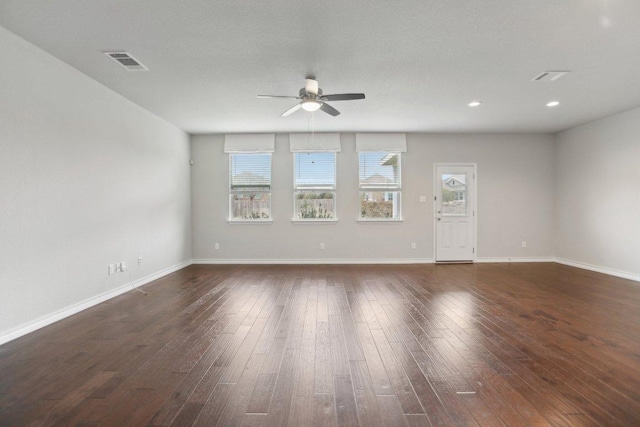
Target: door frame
x=474, y=207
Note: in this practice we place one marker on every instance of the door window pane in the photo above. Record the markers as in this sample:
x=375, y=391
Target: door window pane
x=454, y=194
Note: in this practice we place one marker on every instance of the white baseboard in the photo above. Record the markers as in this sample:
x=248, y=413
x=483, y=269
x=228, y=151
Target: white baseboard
x=316, y=261
x=598, y=269
x=83, y=305
x=513, y=259
x=577, y=264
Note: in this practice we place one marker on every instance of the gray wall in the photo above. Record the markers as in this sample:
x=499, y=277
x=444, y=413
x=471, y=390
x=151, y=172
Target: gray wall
x=598, y=193
x=86, y=179
x=515, y=191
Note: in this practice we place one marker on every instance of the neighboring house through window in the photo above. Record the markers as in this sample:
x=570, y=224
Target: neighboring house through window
x=250, y=186
x=454, y=193
x=379, y=185
x=380, y=175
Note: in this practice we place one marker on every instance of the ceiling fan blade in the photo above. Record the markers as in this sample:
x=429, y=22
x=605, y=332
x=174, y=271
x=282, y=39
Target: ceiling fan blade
x=291, y=110
x=277, y=96
x=311, y=86
x=342, y=97
x=329, y=109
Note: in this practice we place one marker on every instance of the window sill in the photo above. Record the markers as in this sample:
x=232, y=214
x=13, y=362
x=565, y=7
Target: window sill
x=315, y=221
x=379, y=221
x=249, y=221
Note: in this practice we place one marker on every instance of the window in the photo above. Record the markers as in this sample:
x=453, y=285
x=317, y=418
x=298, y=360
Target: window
x=314, y=181
x=380, y=156
x=314, y=186
x=380, y=185
x=250, y=187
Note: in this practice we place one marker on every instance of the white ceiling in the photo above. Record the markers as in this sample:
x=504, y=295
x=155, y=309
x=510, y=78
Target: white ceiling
x=418, y=61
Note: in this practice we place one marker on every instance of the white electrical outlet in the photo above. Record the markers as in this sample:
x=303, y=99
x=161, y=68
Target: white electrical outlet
x=524, y=244
x=123, y=266
x=413, y=245
x=423, y=199
x=139, y=260
x=113, y=268
x=322, y=245
x=216, y=246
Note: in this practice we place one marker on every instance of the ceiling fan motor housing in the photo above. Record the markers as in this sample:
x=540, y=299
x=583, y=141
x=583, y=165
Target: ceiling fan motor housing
x=306, y=95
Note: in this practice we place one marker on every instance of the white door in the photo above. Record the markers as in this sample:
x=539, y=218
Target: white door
x=455, y=210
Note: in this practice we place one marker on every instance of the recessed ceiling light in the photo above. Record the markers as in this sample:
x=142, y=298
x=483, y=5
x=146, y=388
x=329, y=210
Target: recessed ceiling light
x=474, y=103
x=553, y=103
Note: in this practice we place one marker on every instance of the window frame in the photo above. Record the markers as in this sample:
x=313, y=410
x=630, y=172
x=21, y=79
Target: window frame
x=394, y=189
x=235, y=192
x=318, y=188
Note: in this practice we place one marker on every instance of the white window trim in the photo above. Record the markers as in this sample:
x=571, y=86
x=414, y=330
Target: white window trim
x=380, y=220
x=315, y=221
x=249, y=221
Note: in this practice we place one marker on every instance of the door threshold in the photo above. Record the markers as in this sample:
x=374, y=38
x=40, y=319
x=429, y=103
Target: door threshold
x=455, y=262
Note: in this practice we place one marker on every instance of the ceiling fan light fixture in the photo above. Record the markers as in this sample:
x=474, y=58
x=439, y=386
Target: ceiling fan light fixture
x=311, y=105
x=312, y=99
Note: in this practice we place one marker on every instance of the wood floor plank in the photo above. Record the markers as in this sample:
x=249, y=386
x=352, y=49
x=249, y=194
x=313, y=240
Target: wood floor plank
x=324, y=414
x=346, y=412
x=379, y=376
x=538, y=344
x=233, y=413
x=435, y=410
x=302, y=404
x=214, y=407
x=391, y=412
x=365, y=395
x=399, y=380
x=323, y=375
x=415, y=420
x=266, y=380
x=339, y=355
x=280, y=406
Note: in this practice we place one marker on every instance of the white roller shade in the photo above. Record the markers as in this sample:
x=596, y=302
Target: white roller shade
x=249, y=143
x=314, y=143
x=381, y=142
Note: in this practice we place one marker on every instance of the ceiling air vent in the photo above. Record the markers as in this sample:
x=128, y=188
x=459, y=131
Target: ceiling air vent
x=549, y=76
x=127, y=61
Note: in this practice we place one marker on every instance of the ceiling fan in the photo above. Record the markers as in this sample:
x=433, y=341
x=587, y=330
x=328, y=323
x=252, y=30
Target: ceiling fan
x=312, y=99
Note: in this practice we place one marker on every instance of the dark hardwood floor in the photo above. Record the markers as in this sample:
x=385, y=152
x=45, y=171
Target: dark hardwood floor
x=369, y=345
